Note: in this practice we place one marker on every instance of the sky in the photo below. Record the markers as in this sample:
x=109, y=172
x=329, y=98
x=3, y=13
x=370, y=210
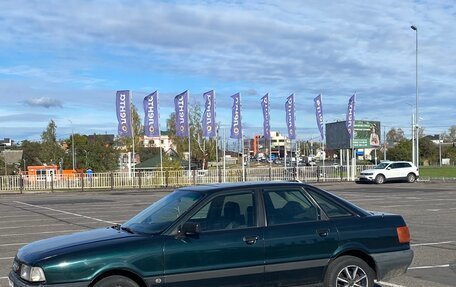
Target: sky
x=65, y=60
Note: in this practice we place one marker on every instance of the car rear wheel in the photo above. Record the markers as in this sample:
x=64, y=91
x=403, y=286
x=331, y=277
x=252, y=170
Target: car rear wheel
x=116, y=281
x=380, y=179
x=411, y=177
x=349, y=271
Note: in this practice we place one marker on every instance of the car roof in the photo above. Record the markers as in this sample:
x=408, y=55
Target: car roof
x=210, y=188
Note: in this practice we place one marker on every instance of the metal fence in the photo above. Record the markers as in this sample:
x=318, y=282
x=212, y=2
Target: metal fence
x=171, y=178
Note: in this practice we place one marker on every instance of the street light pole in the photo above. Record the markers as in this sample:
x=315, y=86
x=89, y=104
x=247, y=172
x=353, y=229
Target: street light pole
x=417, y=118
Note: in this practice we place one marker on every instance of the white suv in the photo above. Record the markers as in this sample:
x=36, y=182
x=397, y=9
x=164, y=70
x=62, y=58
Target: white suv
x=390, y=171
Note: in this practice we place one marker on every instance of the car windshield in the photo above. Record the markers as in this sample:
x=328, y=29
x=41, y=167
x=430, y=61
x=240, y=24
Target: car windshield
x=382, y=165
x=161, y=214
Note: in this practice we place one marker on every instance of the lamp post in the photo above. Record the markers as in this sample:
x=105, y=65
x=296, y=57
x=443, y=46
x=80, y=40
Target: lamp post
x=72, y=145
x=417, y=127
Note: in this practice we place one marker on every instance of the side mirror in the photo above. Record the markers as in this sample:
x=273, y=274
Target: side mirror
x=388, y=168
x=190, y=229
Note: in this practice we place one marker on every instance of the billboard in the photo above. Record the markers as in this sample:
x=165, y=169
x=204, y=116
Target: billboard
x=366, y=135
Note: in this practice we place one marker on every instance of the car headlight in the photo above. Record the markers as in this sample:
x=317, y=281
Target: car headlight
x=32, y=274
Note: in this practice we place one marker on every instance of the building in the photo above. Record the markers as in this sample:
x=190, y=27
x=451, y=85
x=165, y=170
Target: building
x=436, y=139
x=163, y=141
x=6, y=142
x=259, y=145
x=107, y=139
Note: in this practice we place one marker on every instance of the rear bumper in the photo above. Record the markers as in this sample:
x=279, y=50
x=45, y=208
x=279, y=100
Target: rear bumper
x=392, y=264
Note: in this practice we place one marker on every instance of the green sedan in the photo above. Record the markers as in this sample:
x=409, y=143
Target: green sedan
x=239, y=234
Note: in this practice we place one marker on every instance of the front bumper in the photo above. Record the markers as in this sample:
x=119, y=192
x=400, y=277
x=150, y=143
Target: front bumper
x=366, y=178
x=392, y=264
x=15, y=281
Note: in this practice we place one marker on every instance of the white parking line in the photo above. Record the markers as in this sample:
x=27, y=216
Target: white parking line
x=45, y=225
x=44, y=232
x=432, y=243
x=6, y=258
x=429, y=267
x=13, y=244
x=65, y=212
x=389, y=284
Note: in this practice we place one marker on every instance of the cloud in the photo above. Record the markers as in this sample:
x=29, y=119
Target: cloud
x=280, y=47
x=44, y=102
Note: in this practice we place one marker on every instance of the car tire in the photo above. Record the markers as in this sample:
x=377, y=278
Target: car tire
x=116, y=281
x=380, y=179
x=342, y=269
x=411, y=177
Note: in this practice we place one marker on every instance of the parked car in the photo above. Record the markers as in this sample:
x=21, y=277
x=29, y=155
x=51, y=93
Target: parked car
x=241, y=234
x=390, y=171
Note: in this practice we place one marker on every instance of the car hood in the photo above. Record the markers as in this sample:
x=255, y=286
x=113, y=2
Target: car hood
x=370, y=171
x=47, y=248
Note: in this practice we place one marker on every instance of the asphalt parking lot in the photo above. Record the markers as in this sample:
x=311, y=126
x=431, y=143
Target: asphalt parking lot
x=428, y=208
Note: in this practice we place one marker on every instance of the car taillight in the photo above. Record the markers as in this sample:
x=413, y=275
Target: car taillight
x=403, y=234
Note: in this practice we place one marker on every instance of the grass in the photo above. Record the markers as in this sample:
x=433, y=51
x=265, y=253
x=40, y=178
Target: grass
x=438, y=172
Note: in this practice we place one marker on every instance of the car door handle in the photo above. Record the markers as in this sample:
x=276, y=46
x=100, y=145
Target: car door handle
x=323, y=232
x=250, y=240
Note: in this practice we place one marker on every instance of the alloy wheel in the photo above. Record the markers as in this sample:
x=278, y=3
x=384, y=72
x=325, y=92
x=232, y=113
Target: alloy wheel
x=352, y=276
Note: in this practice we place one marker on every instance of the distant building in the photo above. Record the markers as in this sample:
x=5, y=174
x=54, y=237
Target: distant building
x=107, y=139
x=260, y=145
x=163, y=141
x=6, y=142
x=436, y=139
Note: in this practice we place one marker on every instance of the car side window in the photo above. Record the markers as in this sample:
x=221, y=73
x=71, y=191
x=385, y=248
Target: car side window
x=405, y=165
x=332, y=209
x=288, y=206
x=394, y=165
x=224, y=212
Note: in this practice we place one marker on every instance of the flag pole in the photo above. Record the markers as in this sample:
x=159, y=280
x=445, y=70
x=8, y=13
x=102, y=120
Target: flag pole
x=216, y=137
x=224, y=154
x=242, y=138
x=160, y=141
x=189, y=136
x=297, y=159
x=132, y=136
x=353, y=139
x=216, y=150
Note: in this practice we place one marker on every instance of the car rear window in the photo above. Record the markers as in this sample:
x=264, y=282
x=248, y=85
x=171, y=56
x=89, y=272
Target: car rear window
x=331, y=208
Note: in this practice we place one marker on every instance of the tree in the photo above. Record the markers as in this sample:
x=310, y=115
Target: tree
x=429, y=151
x=452, y=133
x=202, y=150
x=51, y=151
x=95, y=154
x=3, y=171
x=101, y=156
x=394, y=136
x=450, y=152
x=31, y=152
x=138, y=131
x=401, y=151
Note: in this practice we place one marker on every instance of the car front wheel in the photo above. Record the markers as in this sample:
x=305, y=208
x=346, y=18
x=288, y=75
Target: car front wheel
x=349, y=271
x=116, y=281
x=380, y=179
x=411, y=177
